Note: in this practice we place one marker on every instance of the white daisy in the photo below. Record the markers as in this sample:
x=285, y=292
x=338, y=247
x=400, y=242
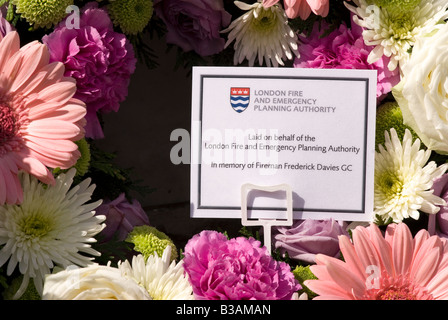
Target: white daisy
x=52, y=226
x=262, y=32
x=393, y=32
x=162, y=279
x=403, y=179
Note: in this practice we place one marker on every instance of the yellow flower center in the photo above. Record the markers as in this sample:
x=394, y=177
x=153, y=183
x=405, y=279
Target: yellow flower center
x=265, y=21
x=35, y=226
x=389, y=184
x=401, y=26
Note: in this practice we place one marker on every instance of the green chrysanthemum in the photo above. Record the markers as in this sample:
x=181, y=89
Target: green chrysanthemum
x=42, y=13
x=132, y=16
x=83, y=163
x=389, y=116
x=302, y=273
x=147, y=240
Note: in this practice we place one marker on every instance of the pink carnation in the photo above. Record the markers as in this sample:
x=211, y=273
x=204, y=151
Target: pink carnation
x=100, y=59
x=344, y=48
x=235, y=269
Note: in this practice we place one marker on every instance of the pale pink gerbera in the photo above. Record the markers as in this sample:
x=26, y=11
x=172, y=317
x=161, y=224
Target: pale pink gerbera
x=393, y=267
x=39, y=119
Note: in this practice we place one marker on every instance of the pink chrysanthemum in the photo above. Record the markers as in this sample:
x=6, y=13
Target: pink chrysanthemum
x=394, y=267
x=39, y=119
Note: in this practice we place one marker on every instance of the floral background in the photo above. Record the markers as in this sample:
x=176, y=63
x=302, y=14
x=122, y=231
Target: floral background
x=81, y=125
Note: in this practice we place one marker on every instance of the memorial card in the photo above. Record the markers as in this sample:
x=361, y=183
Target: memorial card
x=310, y=129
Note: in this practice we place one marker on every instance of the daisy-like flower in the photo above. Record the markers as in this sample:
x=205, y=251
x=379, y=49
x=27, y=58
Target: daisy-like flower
x=393, y=267
x=53, y=226
x=264, y=33
x=164, y=280
x=403, y=179
x=39, y=119
x=392, y=30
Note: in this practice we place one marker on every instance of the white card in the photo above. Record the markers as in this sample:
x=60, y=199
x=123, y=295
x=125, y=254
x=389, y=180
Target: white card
x=312, y=129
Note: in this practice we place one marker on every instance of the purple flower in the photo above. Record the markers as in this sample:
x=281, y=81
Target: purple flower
x=5, y=26
x=235, y=269
x=306, y=238
x=344, y=48
x=194, y=25
x=100, y=59
x=121, y=217
x=440, y=187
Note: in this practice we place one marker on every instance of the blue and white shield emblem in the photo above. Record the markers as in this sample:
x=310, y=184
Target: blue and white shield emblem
x=239, y=98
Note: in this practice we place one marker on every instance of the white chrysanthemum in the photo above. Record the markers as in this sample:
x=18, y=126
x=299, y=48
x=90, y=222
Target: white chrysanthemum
x=162, y=279
x=52, y=226
x=394, y=32
x=264, y=33
x=403, y=179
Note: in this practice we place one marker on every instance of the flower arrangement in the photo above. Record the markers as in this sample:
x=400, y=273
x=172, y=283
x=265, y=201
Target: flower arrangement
x=69, y=227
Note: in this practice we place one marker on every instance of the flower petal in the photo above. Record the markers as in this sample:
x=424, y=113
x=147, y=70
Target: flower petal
x=343, y=276
x=34, y=56
x=9, y=45
x=402, y=247
x=53, y=129
x=365, y=249
x=438, y=286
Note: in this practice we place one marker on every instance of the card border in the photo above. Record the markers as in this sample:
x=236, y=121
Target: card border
x=363, y=211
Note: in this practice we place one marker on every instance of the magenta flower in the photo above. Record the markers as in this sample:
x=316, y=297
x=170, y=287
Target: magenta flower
x=121, y=217
x=194, y=25
x=306, y=238
x=344, y=48
x=100, y=59
x=235, y=269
